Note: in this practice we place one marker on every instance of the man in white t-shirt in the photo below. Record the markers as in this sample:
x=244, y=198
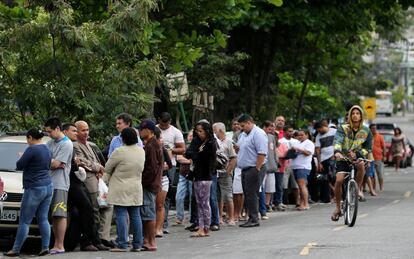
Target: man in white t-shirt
x=324, y=151
x=174, y=143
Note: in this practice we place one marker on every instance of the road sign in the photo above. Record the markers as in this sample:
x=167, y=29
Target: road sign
x=370, y=108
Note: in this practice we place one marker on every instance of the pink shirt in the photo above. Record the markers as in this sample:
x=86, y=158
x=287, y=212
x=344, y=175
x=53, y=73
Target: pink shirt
x=280, y=134
x=282, y=151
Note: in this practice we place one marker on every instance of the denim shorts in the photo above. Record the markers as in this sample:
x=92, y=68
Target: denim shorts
x=371, y=170
x=148, y=206
x=301, y=173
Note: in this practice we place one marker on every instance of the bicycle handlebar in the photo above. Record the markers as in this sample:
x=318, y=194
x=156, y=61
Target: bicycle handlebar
x=356, y=160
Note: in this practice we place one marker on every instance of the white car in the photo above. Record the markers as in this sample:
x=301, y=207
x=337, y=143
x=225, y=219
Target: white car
x=11, y=148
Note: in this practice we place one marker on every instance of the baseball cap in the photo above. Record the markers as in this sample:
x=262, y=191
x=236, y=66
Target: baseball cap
x=147, y=124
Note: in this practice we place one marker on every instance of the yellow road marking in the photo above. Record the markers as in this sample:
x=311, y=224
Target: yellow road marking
x=363, y=216
x=396, y=201
x=407, y=195
x=305, y=250
x=339, y=228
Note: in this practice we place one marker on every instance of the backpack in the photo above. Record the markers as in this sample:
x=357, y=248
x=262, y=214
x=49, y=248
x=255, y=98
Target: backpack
x=221, y=160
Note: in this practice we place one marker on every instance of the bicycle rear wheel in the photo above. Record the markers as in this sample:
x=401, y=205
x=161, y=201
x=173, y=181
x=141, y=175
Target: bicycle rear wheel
x=351, y=203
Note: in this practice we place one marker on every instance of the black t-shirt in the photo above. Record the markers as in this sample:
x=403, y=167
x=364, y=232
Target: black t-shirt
x=204, y=159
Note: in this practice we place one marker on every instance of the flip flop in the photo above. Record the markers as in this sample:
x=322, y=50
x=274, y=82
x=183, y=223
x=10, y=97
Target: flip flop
x=148, y=249
x=55, y=252
x=335, y=216
x=362, y=199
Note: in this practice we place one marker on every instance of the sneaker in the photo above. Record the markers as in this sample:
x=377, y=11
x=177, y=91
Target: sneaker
x=280, y=208
x=192, y=228
x=264, y=217
x=44, y=252
x=283, y=205
x=110, y=244
x=136, y=250
x=214, y=228
x=269, y=209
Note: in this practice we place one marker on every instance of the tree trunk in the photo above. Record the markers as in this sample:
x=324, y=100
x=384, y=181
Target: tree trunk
x=303, y=92
x=261, y=47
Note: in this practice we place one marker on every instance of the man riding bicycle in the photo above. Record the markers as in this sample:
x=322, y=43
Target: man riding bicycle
x=352, y=140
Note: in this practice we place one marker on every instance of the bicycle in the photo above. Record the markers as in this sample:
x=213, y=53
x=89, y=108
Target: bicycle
x=350, y=195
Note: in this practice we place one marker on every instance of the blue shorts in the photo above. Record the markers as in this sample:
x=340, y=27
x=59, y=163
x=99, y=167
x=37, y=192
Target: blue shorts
x=301, y=173
x=371, y=170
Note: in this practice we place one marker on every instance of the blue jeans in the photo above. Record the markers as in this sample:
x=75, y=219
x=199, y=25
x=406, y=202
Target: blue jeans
x=215, y=217
x=121, y=219
x=278, y=196
x=35, y=201
x=183, y=187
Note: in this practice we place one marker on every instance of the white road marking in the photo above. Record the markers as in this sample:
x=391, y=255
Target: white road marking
x=339, y=228
x=305, y=250
x=363, y=216
x=407, y=194
x=396, y=201
x=382, y=208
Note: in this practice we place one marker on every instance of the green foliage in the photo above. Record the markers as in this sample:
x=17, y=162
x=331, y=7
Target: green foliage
x=398, y=95
x=91, y=71
x=319, y=103
x=83, y=59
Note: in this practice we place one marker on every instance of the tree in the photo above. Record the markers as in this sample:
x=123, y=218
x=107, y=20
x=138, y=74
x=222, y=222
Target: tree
x=52, y=65
x=317, y=41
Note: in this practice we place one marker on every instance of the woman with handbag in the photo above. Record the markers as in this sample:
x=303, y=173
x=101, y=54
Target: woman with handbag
x=204, y=160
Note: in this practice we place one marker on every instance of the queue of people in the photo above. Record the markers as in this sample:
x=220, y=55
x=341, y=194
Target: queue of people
x=229, y=181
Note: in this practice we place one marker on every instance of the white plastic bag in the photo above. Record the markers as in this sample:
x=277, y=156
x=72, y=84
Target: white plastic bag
x=81, y=174
x=103, y=193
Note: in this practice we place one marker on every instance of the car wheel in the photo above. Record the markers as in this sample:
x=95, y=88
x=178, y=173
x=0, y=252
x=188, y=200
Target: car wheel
x=403, y=163
x=410, y=161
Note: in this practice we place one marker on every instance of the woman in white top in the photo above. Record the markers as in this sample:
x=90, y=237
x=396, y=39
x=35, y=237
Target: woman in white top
x=302, y=165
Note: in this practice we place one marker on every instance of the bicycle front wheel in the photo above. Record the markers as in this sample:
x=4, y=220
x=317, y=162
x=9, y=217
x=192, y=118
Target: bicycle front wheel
x=352, y=203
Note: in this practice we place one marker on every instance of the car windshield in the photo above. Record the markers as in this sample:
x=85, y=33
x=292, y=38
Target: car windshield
x=9, y=154
x=388, y=138
x=385, y=127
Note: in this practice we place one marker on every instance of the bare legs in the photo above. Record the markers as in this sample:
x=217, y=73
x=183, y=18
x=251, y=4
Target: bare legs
x=160, y=200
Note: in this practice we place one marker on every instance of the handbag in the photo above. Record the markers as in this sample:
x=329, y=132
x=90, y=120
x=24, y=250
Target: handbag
x=291, y=154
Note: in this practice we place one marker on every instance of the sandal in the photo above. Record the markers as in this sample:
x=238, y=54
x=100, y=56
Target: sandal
x=197, y=234
x=148, y=249
x=336, y=215
x=362, y=199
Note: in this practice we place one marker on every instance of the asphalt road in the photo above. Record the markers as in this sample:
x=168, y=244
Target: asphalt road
x=384, y=229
